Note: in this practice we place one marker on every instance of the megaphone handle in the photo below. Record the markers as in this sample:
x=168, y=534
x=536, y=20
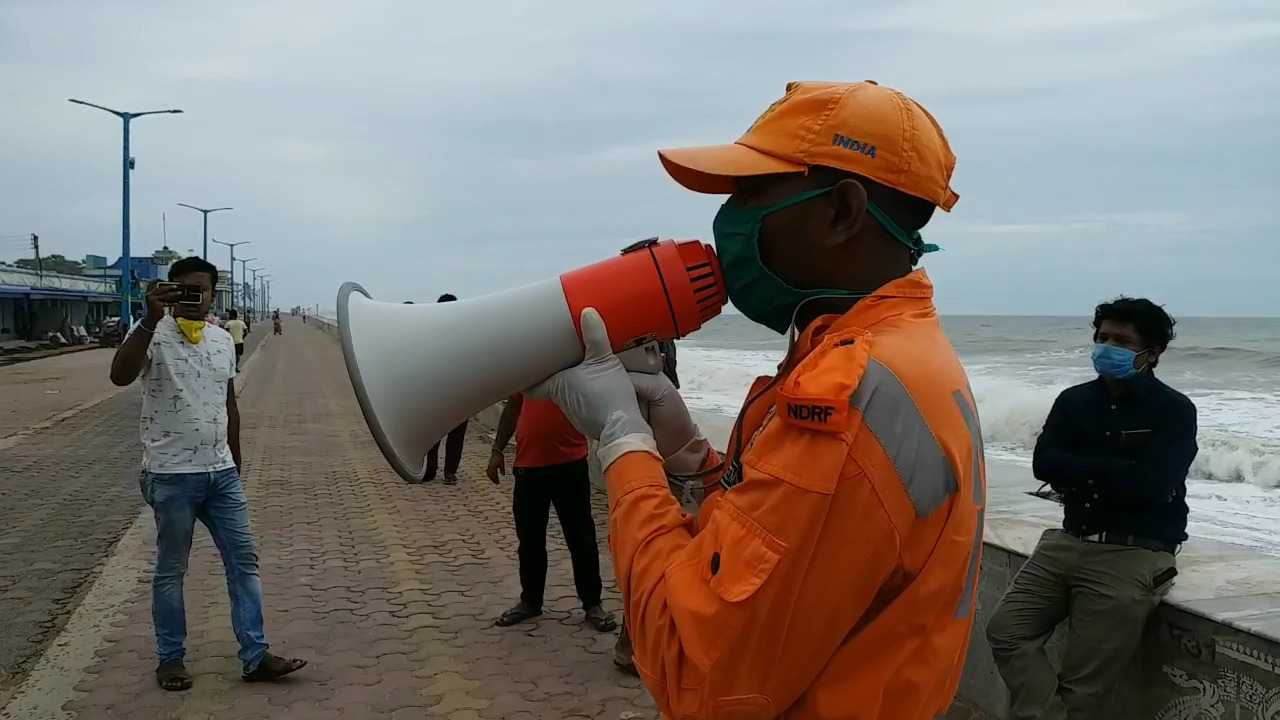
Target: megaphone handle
x=645, y=359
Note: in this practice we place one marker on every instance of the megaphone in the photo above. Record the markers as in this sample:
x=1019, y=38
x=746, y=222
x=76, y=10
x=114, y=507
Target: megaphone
x=421, y=370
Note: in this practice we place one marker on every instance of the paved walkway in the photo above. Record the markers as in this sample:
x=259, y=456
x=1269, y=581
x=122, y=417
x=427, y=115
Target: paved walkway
x=35, y=391
x=389, y=589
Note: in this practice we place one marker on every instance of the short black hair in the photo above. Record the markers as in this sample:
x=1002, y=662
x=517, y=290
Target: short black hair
x=231, y=314
x=447, y=297
x=194, y=264
x=1154, y=325
x=911, y=213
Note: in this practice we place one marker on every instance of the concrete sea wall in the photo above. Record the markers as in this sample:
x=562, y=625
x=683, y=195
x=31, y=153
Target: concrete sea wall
x=1210, y=652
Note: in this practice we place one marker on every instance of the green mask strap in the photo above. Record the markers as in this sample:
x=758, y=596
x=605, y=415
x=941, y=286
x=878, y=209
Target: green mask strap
x=795, y=200
x=912, y=240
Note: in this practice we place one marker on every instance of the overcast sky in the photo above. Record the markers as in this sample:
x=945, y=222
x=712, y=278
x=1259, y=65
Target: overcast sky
x=1104, y=146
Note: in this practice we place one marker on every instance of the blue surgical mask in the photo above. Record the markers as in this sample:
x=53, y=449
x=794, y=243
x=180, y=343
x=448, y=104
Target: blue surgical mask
x=1115, y=363
x=755, y=291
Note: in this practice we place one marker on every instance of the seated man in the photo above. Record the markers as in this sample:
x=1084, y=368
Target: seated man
x=551, y=470
x=1117, y=450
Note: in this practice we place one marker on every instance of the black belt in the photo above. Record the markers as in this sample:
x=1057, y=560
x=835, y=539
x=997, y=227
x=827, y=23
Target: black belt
x=1114, y=538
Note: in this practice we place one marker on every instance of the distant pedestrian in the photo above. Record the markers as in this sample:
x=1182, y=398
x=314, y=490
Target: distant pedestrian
x=238, y=330
x=191, y=468
x=453, y=443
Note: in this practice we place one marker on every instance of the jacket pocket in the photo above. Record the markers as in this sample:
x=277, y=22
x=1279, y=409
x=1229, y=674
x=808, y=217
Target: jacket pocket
x=743, y=557
x=716, y=585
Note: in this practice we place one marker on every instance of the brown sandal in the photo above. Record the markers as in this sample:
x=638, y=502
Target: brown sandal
x=601, y=620
x=172, y=675
x=518, y=614
x=273, y=667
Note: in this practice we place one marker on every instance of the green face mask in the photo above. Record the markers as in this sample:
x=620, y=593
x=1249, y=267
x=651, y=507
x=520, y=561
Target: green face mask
x=762, y=296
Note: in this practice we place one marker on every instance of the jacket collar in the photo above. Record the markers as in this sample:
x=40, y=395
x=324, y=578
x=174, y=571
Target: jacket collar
x=911, y=292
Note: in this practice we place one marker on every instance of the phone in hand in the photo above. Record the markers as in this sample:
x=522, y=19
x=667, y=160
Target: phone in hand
x=188, y=294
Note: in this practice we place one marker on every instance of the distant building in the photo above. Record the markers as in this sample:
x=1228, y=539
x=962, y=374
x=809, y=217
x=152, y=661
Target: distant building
x=222, y=293
x=33, y=303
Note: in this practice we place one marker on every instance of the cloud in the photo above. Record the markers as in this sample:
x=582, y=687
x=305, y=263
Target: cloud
x=419, y=148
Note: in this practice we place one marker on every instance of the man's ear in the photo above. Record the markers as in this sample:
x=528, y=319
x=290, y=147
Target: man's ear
x=849, y=210
x=1153, y=357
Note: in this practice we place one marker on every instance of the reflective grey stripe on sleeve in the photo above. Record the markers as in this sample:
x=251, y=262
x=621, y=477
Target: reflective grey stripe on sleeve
x=893, y=417
x=975, y=441
x=979, y=498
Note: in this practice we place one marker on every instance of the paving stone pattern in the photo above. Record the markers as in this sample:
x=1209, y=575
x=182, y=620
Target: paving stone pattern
x=31, y=392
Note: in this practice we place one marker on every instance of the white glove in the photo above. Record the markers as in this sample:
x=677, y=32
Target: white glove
x=681, y=444
x=598, y=398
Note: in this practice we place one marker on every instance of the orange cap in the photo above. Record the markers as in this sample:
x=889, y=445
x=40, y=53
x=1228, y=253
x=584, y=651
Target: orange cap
x=863, y=128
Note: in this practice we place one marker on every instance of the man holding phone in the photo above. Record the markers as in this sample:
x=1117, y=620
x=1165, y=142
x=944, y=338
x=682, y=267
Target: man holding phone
x=1117, y=450
x=191, y=465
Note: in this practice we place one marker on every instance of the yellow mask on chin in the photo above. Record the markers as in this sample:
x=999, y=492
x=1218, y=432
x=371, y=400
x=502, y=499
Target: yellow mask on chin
x=192, y=329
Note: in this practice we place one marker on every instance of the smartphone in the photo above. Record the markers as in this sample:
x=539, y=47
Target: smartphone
x=188, y=294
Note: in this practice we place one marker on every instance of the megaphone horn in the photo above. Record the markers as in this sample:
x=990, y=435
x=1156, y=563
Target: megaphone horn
x=422, y=370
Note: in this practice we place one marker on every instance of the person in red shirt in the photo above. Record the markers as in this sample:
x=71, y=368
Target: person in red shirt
x=550, y=469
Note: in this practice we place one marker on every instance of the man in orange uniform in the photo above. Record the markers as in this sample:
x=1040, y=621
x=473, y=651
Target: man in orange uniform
x=833, y=575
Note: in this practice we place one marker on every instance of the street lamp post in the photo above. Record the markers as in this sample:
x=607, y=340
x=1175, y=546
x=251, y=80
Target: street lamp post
x=126, y=272
x=233, y=266
x=244, y=284
x=266, y=291
x=257, y=296
x=205, y=212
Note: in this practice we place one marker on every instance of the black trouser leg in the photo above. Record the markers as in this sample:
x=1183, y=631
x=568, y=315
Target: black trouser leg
x=453, y=448
x=572, y=500
x=531, y=506
x=432, y=455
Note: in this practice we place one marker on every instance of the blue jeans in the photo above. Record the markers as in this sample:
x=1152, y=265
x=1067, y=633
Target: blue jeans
x=217, y=500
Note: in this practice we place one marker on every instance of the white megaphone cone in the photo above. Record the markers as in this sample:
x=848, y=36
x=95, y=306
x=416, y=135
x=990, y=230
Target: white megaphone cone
x=421, y=370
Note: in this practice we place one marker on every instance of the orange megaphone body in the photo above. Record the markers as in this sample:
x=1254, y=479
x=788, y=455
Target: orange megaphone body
x=654, y=290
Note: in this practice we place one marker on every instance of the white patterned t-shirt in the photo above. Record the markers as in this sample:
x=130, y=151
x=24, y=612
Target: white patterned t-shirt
x=184, y=400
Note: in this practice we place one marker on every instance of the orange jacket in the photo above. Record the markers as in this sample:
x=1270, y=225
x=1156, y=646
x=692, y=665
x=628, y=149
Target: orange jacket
x=835, y=576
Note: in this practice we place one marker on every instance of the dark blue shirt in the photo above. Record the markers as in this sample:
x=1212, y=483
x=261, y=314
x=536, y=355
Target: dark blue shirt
x=1120, y=463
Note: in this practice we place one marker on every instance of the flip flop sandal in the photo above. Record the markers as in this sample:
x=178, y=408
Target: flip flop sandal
x=516, y=615
x=172, y=675
x=601, y=620
x=273, y=667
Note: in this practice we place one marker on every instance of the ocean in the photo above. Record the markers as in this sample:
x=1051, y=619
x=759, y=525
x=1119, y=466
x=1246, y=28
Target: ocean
x=1230, y=368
